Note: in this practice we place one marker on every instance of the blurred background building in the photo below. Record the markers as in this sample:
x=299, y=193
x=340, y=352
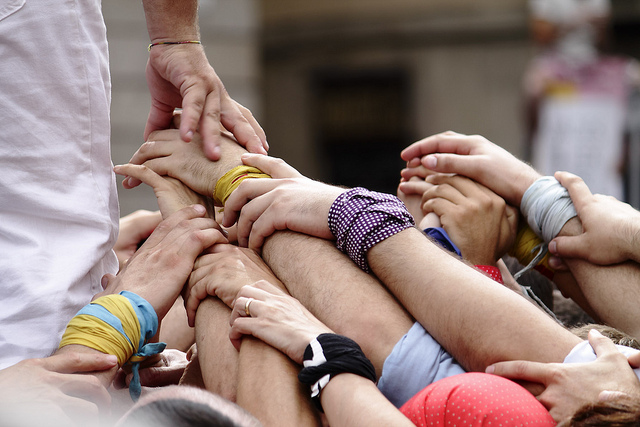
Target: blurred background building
x=341, y=86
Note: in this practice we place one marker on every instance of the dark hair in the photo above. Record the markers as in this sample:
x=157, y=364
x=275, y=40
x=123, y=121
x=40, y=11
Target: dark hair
x=178, y=413
x=618, y=337
x=621, y=412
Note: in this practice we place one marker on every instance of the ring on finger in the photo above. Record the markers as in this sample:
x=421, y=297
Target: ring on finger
x=246, y=307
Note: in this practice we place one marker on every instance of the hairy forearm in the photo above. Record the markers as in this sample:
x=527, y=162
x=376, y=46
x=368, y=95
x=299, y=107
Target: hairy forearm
x=478, y=321
x=611, y=292
x=216, y=354
x=268, y=386
x=172, y=20
x=343, y=297
x=351, y=400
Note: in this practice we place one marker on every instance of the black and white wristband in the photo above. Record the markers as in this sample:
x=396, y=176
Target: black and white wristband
x=329, y=355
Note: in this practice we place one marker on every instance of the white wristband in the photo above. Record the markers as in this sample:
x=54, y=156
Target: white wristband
x=547, y=207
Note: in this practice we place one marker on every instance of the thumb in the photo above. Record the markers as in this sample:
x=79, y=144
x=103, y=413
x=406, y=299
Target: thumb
x=568, y=247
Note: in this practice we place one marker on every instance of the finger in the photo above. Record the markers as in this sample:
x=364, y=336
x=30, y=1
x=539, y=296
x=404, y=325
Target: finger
x=159, y=376
x=254, y=123
x=557, y=263
x=447, y=142
x=106, y=280
x=577, y=188
x=73, y=362
x=143, y=174
x=87, y=387
x=196, y=293
x=199, y=106
x=210, y=126
x=523, y=370
x=248, y=190
x=160, y=146
x=570, y=247
x=160, y=116
x=439, y=207
x=263, y=227
x=273, y=166
x=168, y=225
x=461, y=184
x=601, y=344
x=634, y=360
x=238, y=124
x=444, y=192
x=415, y=186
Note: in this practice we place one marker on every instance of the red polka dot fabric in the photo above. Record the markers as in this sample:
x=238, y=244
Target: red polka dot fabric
x=476, y=399
x=492, y=272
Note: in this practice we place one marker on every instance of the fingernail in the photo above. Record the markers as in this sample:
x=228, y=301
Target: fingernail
x=266, y=146
x=553, y=247
x=596, y=332
x=490, y=369
x=112, y=359
x=199, y=209
x=189, y=135
x=555, y=263
x=430, y=162
x=104, y=281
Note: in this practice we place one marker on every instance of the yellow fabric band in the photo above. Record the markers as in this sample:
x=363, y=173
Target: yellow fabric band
x=526, y=241
x=90, y=331
x=232, y=179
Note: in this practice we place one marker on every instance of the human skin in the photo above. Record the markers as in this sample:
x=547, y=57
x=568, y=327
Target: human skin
x=478, y=159
x=55, y=389
x=180, y=76
x=615, y=243
x=284, y=323
x=258, y=377
x=478, y=221
x=570, y=386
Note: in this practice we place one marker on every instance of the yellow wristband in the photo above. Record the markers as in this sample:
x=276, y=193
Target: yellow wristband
x=232, y=179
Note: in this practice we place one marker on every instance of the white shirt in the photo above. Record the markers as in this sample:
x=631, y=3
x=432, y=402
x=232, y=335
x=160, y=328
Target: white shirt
x=58, y=201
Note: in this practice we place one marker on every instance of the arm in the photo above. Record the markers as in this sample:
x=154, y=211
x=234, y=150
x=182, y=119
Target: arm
x=282, y=322
x=180, y=76
x=570, y=386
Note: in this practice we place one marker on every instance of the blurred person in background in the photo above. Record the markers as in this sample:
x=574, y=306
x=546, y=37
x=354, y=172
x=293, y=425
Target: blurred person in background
x=577, y=95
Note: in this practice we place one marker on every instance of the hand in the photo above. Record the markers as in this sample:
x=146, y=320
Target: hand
x=167, y=155
x=180, y=76
x=159, y=269
x=410, y=192
x=134, y=229
x=54, y=389
x=167, y=369
x=611, y=228
x=568, y=387
x=474, y=157
x=172, y=194
x=276, y=318
x=478, y=221
x=222, y=273
x=289, y=201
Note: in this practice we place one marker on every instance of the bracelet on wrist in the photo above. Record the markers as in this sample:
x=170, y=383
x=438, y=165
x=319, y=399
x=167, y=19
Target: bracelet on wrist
x=329, y=355
x=181, y=42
